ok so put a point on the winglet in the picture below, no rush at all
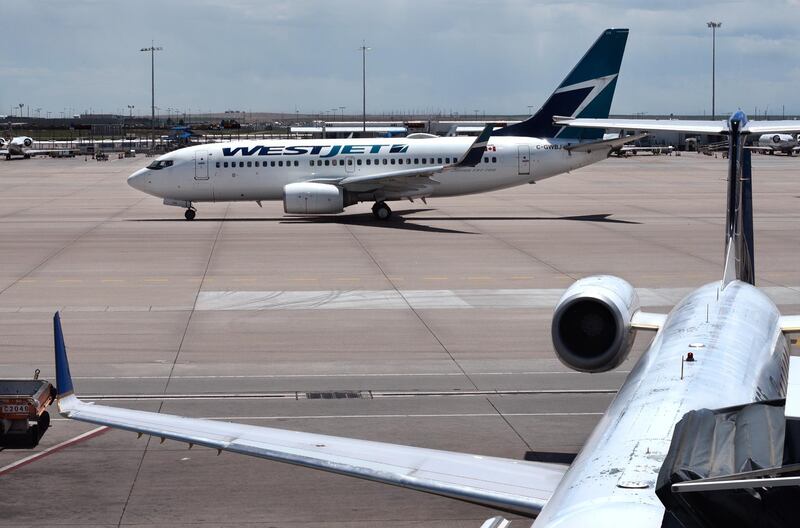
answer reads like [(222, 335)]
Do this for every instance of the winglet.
[(475, 152), (63, 377)]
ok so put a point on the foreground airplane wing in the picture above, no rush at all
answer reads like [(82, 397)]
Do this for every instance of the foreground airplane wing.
[(510, 485)]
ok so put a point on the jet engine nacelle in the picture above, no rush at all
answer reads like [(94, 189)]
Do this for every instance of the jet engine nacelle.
[(312, 198), (591, 326), (2, 142), (27, 142)]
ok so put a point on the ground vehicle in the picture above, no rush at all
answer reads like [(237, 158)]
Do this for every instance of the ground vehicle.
[(23, 411)]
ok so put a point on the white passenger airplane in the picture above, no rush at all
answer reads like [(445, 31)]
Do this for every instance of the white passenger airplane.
[(325, 176), (16, 146), (741, 354), (772, 143)]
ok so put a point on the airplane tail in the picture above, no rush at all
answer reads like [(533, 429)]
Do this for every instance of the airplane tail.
[(586, 92), (739, 243)]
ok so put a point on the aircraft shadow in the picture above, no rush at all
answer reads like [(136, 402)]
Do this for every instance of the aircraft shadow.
[(398, 221)]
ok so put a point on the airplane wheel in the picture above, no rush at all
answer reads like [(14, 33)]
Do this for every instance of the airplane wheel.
[(381, 211), (189, 214)]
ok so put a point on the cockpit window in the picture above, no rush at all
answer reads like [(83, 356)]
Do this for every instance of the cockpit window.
[(160, 164)]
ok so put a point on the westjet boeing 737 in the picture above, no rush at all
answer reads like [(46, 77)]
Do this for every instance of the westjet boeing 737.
[(325, 176)]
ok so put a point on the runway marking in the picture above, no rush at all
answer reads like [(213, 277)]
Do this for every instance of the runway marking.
[(54, 449), (156, 280), (364, 394), (343, 375), (112, 280), (507, 298), (68, 281), (395, 416)]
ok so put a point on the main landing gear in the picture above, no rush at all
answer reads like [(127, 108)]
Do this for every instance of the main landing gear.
[(190, 214), (381, 211)]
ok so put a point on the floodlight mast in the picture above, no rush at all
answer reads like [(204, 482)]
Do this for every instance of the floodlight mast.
[(713, 26), (152, 49)]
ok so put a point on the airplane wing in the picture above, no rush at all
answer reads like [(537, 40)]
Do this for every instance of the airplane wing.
[(648, 320), (411, 182), (515, 486), (790, 324)]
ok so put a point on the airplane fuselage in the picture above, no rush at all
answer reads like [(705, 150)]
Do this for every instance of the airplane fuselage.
[(740, 355), (259, 170)]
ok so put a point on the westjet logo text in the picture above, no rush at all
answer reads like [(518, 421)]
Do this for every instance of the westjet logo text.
[(326, 151)]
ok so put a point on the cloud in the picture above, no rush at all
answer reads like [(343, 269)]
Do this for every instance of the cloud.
[(495, 56)]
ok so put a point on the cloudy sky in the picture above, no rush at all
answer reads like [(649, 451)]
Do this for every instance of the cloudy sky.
[(428, 55)]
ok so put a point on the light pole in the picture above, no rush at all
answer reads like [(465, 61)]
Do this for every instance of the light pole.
[(364, 49), (530, 109), (21, 106), (713, 26), (130, 110), (342, 111), (152, 49)]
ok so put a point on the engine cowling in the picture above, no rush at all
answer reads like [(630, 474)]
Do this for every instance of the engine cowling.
[(2, 142), (591, 326), (312, 198), (27, 142)]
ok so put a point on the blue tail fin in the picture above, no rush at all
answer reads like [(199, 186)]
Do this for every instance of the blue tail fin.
[(739, 243), (63, 377), (586, 92)]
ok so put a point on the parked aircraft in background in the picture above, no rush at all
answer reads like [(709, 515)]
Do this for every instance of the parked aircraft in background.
[(16, 146), (772, 143), (325, 176)]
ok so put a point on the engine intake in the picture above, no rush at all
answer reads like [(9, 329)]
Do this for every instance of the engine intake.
[(27, 142), (312, 198), (591, 326)]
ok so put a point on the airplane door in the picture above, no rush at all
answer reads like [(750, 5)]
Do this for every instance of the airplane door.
[(350, 165), (201, 165), (524, 159)]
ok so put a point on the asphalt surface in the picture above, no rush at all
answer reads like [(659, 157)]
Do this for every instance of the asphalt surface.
[(438, 319)]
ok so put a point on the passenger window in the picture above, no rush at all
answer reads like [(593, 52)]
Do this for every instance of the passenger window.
[(349, 162), (327, 163), (249, 163), (280, 164), (440, 161), (358, 162), (385, 161), (400, 161), (432, 162), (494, 159), (447, 160), (392, 161), (217, 164), (225, 164), (257, 163), (423, 161), (271, 163), (416, 161), (296, 163), (369, 161), (241, 164)]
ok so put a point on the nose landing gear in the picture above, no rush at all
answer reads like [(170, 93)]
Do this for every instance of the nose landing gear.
[(189, 214), (381, 211)]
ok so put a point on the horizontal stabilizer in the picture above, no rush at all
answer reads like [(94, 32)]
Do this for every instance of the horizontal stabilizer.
[(681, 125), (606, 143)]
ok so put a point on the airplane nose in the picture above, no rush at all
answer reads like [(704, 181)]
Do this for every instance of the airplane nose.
[(137, 180)]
